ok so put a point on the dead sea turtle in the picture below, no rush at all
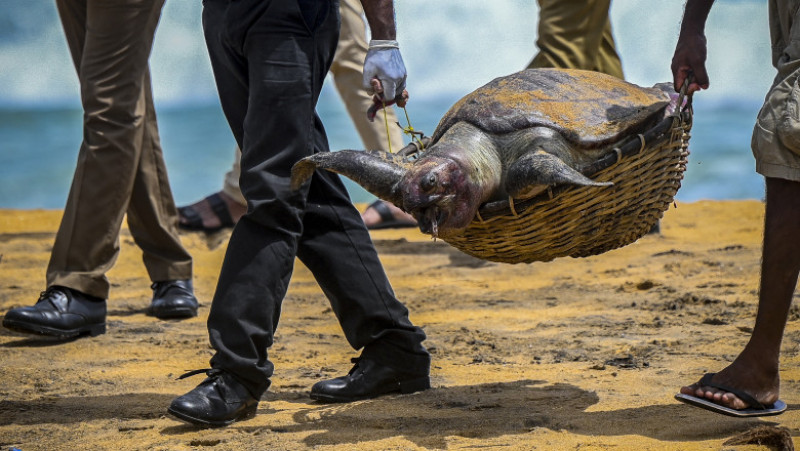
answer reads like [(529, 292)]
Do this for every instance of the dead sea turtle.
[(513, 137)]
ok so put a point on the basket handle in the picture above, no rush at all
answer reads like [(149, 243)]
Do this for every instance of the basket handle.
[(683, 95)]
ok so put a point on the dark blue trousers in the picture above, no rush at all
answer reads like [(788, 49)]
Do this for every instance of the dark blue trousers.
[(270, 58)]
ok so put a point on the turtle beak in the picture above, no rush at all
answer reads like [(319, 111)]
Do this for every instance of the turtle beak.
[(429, 219), (437, 193)]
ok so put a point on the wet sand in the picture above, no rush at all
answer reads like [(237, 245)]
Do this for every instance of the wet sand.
[(570, 354)]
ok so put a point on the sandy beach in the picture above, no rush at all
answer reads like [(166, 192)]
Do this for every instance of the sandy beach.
[(570, 354)]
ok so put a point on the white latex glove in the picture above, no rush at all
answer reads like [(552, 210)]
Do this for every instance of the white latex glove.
[(384, 62)]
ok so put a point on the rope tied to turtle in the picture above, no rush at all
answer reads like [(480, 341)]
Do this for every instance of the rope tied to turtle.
[(408, 130)]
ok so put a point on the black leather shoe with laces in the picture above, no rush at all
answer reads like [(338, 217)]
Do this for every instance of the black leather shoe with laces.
[(173, 299), (217, 401), (60, 312), (369, 379)]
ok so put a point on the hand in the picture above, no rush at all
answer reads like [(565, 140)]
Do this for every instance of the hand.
[(690, 58), (378, 101), (384, 62)]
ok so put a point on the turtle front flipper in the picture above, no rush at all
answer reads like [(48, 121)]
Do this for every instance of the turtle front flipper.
[(542, 168), (377, 171)]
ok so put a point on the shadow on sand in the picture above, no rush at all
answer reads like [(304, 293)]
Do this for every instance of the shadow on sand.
[(425, 419)]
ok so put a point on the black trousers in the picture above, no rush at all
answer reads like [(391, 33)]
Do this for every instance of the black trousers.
[(270, 58)]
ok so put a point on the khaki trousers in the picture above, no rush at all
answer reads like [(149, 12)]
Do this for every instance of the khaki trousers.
[(576, 34), (120, 165), (348, 63), (776, 135)]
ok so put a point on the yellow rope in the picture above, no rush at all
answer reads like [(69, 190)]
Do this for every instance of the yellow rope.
[(386, 121), (409, 130)]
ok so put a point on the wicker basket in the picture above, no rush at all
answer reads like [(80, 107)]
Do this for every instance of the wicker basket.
[(577, 221)]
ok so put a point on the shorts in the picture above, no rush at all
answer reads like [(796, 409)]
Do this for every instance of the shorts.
[(776, 135)]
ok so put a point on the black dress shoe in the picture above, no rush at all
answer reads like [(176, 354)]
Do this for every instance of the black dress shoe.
[(369, 379), (173, 299), (217, 401), (60, 312)]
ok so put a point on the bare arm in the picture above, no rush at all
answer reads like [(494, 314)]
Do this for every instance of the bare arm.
[(380, 15), (384, 71), (690, 52)]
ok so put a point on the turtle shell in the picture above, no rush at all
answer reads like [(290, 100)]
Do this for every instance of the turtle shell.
[(589, 109)]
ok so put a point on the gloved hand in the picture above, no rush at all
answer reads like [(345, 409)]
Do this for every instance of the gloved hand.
[(384, 75), (383, 61), (378, 103)]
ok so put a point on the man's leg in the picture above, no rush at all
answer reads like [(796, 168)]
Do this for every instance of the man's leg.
[(152, 215), (336, 247), (776, 148), (111, 67), (571, 34), (290, 67), (270, 43), (608, 60), (153, 221), (120, 168), (275, 50), (230, 185), (756, 370)]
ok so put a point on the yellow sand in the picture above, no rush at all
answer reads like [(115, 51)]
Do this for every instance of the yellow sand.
[(571, 354)]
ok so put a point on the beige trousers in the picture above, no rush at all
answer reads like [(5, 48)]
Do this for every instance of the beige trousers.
[(348, 63), (576, 34), (120, 164)]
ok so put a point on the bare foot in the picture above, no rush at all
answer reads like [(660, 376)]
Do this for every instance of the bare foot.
[(214, 212), (383, 215)]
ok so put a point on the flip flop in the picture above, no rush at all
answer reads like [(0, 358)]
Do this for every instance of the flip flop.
[(195, 222), (756, 409), (388, 221)]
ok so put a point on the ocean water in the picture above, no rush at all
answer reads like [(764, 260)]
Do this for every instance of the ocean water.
[(450, 48)]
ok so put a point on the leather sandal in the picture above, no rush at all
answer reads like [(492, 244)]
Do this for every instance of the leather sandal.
[(193, 221)]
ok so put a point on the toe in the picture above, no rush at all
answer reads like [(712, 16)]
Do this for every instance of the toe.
[(732, 401), (716, 396), (690, 390)]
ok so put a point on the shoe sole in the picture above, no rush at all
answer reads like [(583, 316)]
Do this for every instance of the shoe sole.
[(404, 387), (248, 413), (19, 326), (174, 314)]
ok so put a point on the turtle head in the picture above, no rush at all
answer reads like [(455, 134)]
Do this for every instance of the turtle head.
[(440, 194)]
